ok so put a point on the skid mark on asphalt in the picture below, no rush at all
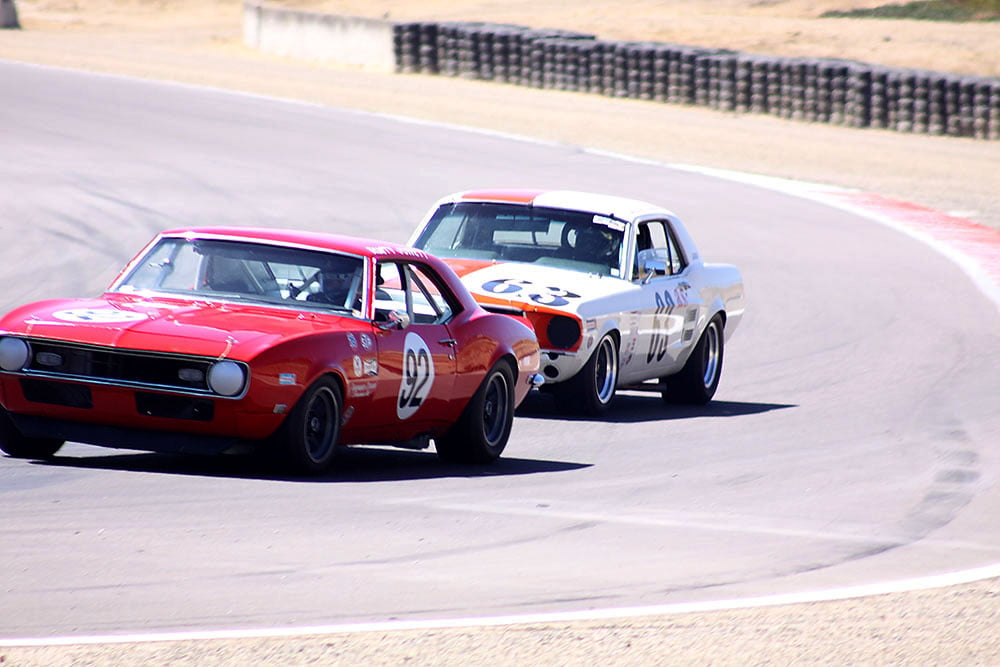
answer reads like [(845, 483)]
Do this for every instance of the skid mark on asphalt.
[(719, 523)]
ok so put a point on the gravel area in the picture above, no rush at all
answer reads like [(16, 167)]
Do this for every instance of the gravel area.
[(198, 42), (954, 626)]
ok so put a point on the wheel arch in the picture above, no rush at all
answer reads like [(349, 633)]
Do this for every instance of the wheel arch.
[(609, 328), (716, 307)]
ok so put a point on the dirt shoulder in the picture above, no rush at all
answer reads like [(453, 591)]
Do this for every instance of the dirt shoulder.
[(201, 43), (775, 27)]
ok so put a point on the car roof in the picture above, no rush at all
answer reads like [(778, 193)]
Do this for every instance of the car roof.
[(588, 202), (367, 248), (363, 247)]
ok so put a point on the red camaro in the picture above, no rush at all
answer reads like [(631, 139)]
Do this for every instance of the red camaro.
[(212, 338)]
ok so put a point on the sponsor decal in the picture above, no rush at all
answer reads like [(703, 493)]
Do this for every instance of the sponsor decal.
[(352, 341), (358, 368), (389, 250), (371, 366), (547, 296), (366, 342), (610, 223), (418, 376), (632, 337), (98, 315), (361, 389), (286, 378), (628, 351), (681, 297)]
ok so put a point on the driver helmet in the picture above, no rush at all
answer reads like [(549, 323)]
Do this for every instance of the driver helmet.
[(334, 285), (594, 242)]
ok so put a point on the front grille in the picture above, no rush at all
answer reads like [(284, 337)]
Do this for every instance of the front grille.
[(563, 332), (57, 393), (119, 367), (174, 407)]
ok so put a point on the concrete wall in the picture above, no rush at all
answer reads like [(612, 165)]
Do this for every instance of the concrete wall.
[(345, 40), (8, 14)]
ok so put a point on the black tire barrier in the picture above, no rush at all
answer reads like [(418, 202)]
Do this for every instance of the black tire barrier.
[(818, 90)]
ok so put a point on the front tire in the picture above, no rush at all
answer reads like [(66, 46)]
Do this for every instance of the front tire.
[(481, 433), (13, 443), (308, 438), (591, 391), (696, 383)]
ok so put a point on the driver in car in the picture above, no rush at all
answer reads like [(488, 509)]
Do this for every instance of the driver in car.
[(333, 286)]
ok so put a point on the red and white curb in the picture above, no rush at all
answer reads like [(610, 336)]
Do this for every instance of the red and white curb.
[(974, 248)]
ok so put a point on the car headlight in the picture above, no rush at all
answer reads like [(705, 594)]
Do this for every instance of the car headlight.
[(14, 354), (226, 378)]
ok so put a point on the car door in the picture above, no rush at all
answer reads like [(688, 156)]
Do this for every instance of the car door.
[(415, 348), (669, 311)]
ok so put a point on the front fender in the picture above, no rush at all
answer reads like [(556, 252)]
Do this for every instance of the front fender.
[(281, 374), (600, 328)]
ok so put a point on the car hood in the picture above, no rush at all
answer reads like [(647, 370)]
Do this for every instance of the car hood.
[(209, 328), (534, 287)]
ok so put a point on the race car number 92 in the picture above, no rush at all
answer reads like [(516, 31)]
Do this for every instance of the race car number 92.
[(418, 376)]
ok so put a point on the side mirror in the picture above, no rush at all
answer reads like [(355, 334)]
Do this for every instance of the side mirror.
[(393, 319), (652, 262)]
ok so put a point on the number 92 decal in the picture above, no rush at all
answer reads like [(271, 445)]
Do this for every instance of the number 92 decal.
[(418, 376)]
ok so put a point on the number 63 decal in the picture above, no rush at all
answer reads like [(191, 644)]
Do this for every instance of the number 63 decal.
[(418, 376), (549, 296)]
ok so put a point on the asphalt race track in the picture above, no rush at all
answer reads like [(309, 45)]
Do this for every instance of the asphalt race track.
[(852, 442)]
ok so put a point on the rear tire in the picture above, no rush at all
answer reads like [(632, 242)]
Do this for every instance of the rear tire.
[(696, 383), (13, 443), (592, 390), (308, 438), (481, 433)]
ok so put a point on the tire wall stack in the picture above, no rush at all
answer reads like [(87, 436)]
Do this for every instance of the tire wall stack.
[(841, 92), (819, 90)]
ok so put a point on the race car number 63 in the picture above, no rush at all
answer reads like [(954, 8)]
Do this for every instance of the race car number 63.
[(418, 376), (548, 296)]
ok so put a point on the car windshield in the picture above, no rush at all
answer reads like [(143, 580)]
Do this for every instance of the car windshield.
[(225, 269), (517, 233)]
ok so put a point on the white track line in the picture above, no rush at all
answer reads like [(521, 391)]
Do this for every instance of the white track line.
[(850, 592)]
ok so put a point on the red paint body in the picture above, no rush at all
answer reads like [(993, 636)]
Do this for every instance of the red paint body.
[(285, 350)]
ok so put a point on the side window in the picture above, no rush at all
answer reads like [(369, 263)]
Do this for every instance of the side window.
[(429, 304), (657, 235), (677, 262), (390, 294), (411, 288)]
